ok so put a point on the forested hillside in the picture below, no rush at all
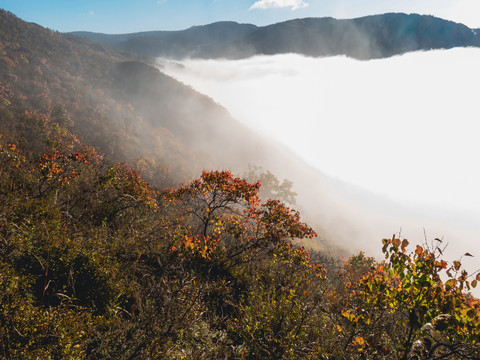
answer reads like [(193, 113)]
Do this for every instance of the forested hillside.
[(79, 85), (105, 255)]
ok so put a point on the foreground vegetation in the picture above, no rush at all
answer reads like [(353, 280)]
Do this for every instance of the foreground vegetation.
[(97, 264)]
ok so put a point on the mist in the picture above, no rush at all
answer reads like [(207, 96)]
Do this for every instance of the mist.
[(399, 133)]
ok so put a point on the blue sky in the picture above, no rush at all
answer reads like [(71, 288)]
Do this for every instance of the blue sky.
[(123, 16)]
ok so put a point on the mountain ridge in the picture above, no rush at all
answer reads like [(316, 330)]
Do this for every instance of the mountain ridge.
[(149, 42), (368, 37)]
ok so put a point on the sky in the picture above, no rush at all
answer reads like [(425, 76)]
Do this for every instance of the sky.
[(126, 16)]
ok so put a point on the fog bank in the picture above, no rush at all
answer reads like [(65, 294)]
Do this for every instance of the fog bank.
[(403, 128)]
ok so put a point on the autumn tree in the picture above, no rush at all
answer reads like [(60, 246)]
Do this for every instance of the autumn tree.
[(231, 236), (414, 306)]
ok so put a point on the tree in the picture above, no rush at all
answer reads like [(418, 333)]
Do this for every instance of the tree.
[(229, 235), (271, 187), (415, 306)]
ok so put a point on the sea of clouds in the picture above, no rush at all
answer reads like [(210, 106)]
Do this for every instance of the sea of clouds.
[(406, 128)]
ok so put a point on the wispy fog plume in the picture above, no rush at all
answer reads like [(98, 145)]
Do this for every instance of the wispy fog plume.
[(267, 4), (405, 128)]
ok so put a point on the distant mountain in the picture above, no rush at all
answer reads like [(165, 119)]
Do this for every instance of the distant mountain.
[(196, 41), (367, 37)]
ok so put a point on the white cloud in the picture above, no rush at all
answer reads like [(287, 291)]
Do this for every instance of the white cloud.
[(267, 4), (404, 127), (91, 13), (412, 116)]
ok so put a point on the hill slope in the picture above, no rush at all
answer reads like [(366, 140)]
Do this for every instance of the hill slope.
[(362, 38), (114, 101), (127, 109)]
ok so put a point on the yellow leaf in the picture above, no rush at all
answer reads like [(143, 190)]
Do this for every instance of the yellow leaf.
[(359, 340)]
